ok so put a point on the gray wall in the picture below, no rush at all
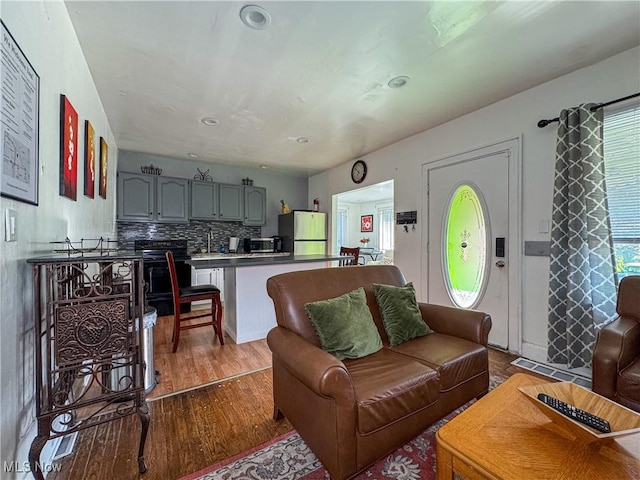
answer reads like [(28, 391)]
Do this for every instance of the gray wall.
[(290, 188), (44, 32)]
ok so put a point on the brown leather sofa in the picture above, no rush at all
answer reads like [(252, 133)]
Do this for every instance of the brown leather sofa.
[(353, 412), (616, 356)]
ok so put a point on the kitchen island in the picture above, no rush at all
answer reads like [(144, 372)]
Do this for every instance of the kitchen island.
[(248, 309)]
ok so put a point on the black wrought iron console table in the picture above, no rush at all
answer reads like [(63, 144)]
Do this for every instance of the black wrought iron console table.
[(89, 366)]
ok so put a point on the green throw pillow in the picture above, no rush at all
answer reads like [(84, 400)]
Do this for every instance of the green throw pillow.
[(400, 313), (345, 326)]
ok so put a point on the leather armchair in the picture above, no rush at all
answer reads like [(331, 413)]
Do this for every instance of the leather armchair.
[(616, 357)]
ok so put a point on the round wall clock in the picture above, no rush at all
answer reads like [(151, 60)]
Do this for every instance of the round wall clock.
[(358, 171)]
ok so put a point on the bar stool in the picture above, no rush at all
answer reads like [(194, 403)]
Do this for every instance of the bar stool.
[(193, 294)]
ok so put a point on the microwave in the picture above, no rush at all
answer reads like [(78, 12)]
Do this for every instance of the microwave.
[(259, 245)]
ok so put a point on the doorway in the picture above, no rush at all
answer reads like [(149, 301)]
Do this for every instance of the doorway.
[(473, 236), (364, 218)]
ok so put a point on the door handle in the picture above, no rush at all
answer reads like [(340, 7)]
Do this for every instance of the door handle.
[(500, 264)]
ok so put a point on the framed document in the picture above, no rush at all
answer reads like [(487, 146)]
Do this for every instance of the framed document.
[(19, 123)]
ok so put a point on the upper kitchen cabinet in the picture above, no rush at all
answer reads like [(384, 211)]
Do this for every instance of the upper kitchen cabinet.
[(149, 198), (204, 200), (230, 207), (255, 206)]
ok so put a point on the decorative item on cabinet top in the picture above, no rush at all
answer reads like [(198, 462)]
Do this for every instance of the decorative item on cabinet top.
[(203, 176), (247, 181), (151, 170)]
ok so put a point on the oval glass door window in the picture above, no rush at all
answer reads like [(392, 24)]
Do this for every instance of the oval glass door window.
[(465, 247)]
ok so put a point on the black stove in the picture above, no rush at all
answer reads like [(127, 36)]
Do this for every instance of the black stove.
[(156, 272)]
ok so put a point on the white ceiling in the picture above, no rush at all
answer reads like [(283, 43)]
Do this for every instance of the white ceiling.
[(320, 70)]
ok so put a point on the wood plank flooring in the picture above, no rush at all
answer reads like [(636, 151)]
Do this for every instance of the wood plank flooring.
[(192, 430), (199, 359)]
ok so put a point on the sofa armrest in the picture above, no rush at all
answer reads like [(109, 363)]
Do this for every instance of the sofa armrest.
[(617, 345), (471, 325), (320, 371)]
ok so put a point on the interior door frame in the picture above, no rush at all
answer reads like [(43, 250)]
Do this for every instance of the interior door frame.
[(513, 147)]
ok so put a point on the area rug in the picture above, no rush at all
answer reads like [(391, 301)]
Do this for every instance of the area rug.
[(288, 458)]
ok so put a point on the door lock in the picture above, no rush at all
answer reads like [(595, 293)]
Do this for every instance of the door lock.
[(500, 264)]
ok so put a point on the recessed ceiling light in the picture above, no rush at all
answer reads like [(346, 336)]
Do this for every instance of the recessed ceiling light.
[(193, 155), (210, 121), (398, 82), (302, 140), (255, 17), (263, 166)]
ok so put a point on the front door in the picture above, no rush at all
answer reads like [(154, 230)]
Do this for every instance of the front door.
[(469, 239)]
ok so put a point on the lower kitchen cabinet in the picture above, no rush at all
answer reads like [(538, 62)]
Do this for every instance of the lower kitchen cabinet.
[(208, 276)]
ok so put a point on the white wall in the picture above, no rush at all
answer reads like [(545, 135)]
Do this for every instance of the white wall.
[(514, 117), (44, 32), (290, 188)]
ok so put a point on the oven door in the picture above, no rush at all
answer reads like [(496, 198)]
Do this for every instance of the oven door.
[(158, 281)]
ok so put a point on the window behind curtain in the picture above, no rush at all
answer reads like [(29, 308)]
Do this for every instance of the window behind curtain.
[(621, 134), (385, 231), (341, 228)]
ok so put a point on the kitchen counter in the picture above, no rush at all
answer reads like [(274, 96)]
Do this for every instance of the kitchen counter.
[(229, 260), (248, 309)]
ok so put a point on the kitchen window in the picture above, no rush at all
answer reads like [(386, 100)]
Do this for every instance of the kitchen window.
[(621, 135), (341, 228)]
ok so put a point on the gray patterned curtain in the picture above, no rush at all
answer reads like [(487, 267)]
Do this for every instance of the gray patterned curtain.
[(582, 292)]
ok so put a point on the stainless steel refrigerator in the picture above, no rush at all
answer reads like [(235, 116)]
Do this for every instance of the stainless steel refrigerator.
[(303, 232)]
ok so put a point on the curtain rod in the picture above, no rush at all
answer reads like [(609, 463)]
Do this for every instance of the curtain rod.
[(544, 123)]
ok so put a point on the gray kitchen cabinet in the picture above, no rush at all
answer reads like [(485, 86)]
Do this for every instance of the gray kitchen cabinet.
[(255, 206), (231, 200), (136, 195), (172, 200), (150, 198), (204, 200)]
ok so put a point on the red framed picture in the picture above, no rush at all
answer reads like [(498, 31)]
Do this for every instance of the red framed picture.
[(104, 165), (68, 149), (89, 160), (366, 223)]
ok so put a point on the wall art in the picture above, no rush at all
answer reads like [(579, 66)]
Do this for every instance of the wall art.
[(366, 223), (89, 160), (19, 123), (104, 165), (68, 149)]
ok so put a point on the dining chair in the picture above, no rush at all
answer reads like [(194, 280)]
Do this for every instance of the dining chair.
[(182, 295), (354, 252)]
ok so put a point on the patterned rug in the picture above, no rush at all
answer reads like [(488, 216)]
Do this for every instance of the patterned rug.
[(288, 458)]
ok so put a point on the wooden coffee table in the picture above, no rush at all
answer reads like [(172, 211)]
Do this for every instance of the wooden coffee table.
[(504, 436)]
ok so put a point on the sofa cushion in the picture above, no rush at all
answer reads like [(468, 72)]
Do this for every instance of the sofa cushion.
[(455, 359), (389, 387), (629, 382), (400, 313), (345, 326)]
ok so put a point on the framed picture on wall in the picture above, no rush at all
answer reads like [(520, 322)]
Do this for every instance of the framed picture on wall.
[(89, 160), (68, 149), (104, 165), (366, 223), (19, 123)]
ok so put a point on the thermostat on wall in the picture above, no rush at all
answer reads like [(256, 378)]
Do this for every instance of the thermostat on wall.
[(407, 218)]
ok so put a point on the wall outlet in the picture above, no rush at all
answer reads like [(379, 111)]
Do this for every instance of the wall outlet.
[(10, 225)]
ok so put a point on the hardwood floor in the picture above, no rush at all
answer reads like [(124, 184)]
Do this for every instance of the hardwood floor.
[(192, 430), (200, 359)]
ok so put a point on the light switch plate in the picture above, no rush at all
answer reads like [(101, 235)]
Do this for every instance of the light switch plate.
[(10, 225)]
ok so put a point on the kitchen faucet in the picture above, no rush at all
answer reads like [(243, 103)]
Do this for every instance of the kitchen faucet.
[(209, 238)]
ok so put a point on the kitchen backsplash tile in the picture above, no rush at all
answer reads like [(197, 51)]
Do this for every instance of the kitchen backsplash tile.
[(194, 232)]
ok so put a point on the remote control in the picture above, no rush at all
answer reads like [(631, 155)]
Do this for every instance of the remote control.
[(586, 418)]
